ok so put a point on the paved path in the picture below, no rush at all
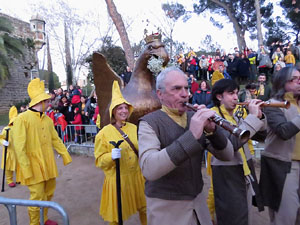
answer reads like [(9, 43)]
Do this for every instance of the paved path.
[(78, 191)]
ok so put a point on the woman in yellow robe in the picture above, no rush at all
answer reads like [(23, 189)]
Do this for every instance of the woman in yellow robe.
[(11, 162), (132, 180)]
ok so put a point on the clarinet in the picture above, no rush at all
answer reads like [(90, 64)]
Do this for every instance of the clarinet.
[(244, 135)]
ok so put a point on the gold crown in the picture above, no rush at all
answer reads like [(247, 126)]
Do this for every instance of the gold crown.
[(153, 37)]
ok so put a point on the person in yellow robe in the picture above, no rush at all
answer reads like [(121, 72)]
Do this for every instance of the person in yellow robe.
[(132, 180), (11, 163), (34, 138)]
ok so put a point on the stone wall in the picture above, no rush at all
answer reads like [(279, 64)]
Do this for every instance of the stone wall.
[(15, 88)]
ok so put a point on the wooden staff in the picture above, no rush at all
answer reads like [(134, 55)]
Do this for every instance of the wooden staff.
[(242, 134), (5, 156), (284, 104), (118, 183)]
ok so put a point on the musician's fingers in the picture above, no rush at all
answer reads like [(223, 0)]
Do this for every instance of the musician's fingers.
[(200, 107), (205, 113), (261, 103), (255, 101)]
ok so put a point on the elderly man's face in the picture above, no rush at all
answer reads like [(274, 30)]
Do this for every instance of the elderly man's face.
[(294, 84), (175, 92)]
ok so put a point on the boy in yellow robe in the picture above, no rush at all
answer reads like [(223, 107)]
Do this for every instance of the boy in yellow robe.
[(34, 138), (10, 166)]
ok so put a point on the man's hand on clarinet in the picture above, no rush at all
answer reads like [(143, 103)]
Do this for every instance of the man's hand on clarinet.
[(254, 107), (200, 121)]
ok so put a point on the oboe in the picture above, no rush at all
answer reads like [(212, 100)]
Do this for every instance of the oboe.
[(285, 104), (242, 134)]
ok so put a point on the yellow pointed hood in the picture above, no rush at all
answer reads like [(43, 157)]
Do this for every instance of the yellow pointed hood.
[(12, 115), (36, 92), (118, 99)]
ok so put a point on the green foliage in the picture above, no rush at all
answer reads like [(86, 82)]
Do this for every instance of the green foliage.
[(178, 47), (5, 25), (44, 75), (30, 43), (4, 119), (87, 90), (291, 13), (9, 47), (20, 103), (114, 55), (50, 82), (174, 10), (209, 45), (275, 31), (242, 11)]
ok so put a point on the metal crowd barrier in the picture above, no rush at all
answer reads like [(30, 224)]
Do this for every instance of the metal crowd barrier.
[(11, 204), (84, 137)]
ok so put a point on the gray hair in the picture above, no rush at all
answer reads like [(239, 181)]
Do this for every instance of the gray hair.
[(279, 80), (160, 79)]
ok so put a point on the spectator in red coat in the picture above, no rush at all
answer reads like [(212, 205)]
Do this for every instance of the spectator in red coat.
[(78, 129), (75, 97), (194, 84), (96, 114), (50, 113)]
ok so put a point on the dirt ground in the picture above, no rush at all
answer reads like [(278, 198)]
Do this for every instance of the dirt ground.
[(79, 191)]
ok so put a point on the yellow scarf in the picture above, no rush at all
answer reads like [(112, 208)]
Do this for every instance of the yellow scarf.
[(241, 151), (261, 90), (181, 120), (296, 152)]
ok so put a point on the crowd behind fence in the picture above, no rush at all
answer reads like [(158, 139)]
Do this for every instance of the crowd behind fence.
[(83, 136)]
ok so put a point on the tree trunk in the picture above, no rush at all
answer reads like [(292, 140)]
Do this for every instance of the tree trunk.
[(240, 33), (69, 71), (50, 68), (258, 22), (118, 21)]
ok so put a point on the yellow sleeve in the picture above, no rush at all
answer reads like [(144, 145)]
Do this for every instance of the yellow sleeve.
[(19, 140), (98, 121), (59, 146), (102, 152), (293, 60)]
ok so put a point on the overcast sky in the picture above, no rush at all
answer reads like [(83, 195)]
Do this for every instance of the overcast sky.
[(191, 32)]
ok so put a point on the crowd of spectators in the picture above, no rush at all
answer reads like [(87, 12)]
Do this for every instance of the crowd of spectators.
[(71, 107), (246, 67)]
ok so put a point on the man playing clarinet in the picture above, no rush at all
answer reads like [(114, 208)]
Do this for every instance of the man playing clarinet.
[(234, 182), (172, 141)]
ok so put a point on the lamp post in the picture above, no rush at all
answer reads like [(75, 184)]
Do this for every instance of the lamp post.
[(34, 73)]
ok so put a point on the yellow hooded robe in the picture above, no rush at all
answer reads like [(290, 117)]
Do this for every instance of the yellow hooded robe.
[(132, 180), (36, 158), (11, 162)]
